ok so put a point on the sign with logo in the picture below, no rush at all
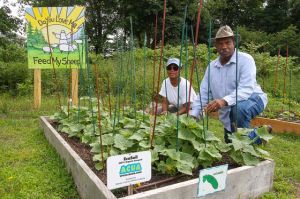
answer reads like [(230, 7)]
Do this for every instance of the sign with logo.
[(55, 37), (128, 169), (212, 180)]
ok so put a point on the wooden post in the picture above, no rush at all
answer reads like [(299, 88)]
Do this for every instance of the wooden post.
[(75, 86), (37, 88)]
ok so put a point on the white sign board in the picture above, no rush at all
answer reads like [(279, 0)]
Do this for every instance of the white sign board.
[(212, 180), (128, 169)]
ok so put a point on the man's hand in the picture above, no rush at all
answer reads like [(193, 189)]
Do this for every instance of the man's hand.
[(215, 105)]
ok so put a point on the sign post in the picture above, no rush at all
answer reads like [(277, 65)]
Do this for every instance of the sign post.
[(55, 40), (212, 180), (37, 88), (128, 169)]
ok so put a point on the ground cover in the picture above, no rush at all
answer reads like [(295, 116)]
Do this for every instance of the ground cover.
[(31, 166)]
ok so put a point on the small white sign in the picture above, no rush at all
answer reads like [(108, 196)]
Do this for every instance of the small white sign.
[(212, 180), (128, 169)]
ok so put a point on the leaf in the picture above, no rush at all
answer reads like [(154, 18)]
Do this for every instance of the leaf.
[(184, 168), (250, 159), (236, 156), (264, 134), (144, 144), (237, 144), (107, 139), (95, 147), (198, 146), (221, 146), (136, 136), (154, 155), (209, 136), (250, 149), (185, 134), (99, 166), (212, 151), (263, 152), (122, 143)]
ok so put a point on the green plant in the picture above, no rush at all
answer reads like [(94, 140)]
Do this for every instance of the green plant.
[(194, 148)]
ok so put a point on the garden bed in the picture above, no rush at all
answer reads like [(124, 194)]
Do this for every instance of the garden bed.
[(278, 126), (244, 182)]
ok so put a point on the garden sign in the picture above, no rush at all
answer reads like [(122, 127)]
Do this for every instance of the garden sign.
[(55, 37)]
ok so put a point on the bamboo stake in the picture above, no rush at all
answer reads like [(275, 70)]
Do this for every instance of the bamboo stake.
[(109, 100), (276, 72), (285, 71), (194, 59), (159, 70), (99, 113), (154, 62)]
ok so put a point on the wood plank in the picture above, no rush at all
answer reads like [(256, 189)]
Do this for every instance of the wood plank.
[(37, 88), (75, 86), (278, 126)]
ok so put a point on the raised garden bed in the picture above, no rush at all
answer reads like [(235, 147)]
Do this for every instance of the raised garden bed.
[(278, 126), (242, 182)]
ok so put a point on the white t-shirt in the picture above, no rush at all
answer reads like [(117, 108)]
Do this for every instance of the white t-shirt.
[(172, 92)]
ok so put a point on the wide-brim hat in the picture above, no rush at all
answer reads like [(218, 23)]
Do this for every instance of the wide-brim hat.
[(224, 32), (173, 61)]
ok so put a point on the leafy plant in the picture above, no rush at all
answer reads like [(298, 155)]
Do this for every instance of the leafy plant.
[(195, 147)]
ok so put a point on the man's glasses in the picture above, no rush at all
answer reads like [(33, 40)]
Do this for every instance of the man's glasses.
[(174, 67)]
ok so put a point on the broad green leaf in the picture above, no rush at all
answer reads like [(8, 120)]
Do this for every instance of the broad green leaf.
[(212, 151), (144, 144), (263, 152), (209, 136), (99, 166), (198, 146), (185, 134), (237, 144), (236, 156), (264, 134), (221, 146), (95, 147), (186, 158), (107, 139), (136, 136), (125, 132), (113, 151), (154, 155), (250, 159), (250, 149), (184, 168), (121, 142)]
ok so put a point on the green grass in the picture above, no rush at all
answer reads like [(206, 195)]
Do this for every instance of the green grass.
[(31, 168)]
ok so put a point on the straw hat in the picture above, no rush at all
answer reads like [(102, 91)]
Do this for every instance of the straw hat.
[(225, 31)]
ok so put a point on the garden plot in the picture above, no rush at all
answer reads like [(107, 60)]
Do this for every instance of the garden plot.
[(90, 186)]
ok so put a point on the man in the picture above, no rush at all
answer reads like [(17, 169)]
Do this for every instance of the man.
[(169, 90), (251, 99)]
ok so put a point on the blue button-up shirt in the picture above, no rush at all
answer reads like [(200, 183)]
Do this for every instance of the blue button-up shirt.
[(223, 85)]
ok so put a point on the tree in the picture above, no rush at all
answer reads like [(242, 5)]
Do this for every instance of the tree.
[(275, 16)]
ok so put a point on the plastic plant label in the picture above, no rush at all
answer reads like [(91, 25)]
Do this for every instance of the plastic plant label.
[(128, 169), (212, 180)]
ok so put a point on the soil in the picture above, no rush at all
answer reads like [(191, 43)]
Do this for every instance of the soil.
[(157, 180)]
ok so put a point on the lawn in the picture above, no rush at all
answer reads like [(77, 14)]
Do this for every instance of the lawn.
[(31, 168)]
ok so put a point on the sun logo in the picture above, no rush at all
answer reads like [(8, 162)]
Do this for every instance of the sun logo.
[(54, 30)]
